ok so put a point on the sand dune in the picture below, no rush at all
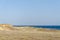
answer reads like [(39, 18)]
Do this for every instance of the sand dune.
[(8, 32)]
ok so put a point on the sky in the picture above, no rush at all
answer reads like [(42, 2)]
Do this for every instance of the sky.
[(30, 12)]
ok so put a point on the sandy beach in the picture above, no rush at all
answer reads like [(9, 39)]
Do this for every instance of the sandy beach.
[(29, 33)]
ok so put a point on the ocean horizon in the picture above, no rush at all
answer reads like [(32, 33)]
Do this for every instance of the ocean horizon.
[(41, 26)]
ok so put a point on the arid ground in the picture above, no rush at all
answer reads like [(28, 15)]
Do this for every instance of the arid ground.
[(28, 33)]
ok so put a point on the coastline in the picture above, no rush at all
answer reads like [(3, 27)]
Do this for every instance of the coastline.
[(29, 33)]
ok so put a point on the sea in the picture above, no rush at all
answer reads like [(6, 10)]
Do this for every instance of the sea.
[(49, 27), (41, 26)]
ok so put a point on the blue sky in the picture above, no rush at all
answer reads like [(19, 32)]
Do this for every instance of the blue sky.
[(30, 12)]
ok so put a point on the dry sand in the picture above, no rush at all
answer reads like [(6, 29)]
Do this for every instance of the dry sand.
[(29, 33)]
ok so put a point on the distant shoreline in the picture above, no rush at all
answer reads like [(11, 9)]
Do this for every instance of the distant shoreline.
[(57, 27)]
